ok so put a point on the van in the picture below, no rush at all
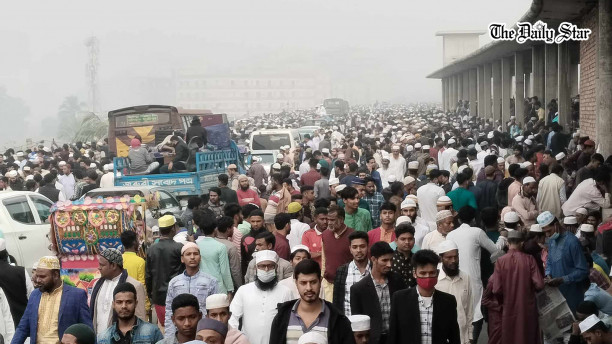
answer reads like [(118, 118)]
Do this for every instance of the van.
[(272, 139), (25, 225)]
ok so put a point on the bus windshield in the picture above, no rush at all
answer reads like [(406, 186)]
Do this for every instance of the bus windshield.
[(270, 141)]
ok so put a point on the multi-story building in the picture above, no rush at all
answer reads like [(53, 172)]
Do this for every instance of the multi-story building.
[(241, 95)]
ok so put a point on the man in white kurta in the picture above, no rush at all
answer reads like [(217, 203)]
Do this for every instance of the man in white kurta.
[(428, 195), (397, 163), (258, 307), (470, 240)]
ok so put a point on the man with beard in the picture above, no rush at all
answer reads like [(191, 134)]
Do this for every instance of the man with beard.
[(247, 245), (453, 281), (46, 303), (309, 314), (255, 303), (384, 171), (421, 228), (185, 316), (350, 273), (444, 222), (267, 241), (372, 295), (517, 279), (128, 328), (524, 203), (312, 237), (245, 194)]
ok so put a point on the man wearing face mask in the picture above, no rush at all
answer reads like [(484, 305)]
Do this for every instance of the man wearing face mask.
[(566, 266), (456, 282), (256, 302), (423, 314), (517, 278)]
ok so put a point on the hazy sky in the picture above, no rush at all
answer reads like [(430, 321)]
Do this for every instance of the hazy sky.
[(389, 46)]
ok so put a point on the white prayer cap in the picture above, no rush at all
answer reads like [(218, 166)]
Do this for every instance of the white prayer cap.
[(27, 168), (266, 255), (528, 180), (511, 217), (587, 228), (545, 218), (12, 174), (2, 244), (300, 247), (19, 154), (312, 337), (402, 219), (391, 178), (334, 181), (570, 220), (280, 156), (325, 150), (444, 200), (217, 301), (426, 147), (451, 141), (47, 149), (70, 155), (500, 160), (414, 198), (30, 177), (432, 167), (535, 228), (443, 214), (560, 156), (526, 164), (61, 163), (582, 211), (360, 322), (340, 187), (445, 246), (518, 139), (409, 148), (413, 165), (588, 323), (93, 165), (108, 167), (417, 145), (276, 166), (408, 203), (395, 147), (408, 179), (528, 142), (490, 135)]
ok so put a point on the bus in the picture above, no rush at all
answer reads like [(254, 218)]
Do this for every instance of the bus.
[(153, 123), (336, 106)]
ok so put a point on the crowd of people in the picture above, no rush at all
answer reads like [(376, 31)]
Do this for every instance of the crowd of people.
[(392, 224)]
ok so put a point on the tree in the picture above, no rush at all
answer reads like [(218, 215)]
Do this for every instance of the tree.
[(78, 124), (13, 112)]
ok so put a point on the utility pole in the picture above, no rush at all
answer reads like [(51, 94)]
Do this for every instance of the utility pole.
[(91, 71)]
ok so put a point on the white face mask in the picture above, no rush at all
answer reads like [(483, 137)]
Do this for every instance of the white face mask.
[(266, 276)]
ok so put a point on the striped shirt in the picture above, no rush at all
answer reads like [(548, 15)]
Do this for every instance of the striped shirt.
[(297, 328)]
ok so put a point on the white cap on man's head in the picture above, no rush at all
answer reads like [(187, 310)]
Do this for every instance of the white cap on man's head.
[(536, 228), (500, 160), (266, 255), (408, 203), (570, 220), (359, 322), (413, 165), (276, 166), (582, 211), (511, 217), (403, 219), (528, 180), (588, 323), (560, 156), (279, 156), (587, 228), (215, 301), (61, 163), (300, 247), (445, 246)]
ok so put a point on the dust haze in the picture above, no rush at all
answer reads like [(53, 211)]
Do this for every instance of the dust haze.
[(368, 50)]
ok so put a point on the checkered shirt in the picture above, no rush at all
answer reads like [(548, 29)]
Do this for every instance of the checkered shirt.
[(374, 202), (353, 276), (426, 312), (384, 297)]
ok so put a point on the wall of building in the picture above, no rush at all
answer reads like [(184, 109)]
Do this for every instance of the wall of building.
[(588, 75)]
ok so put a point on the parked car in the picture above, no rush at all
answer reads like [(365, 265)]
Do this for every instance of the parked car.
[(24, 224), (167, 201)]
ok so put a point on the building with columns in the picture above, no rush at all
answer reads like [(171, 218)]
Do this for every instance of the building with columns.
[(491, 76)]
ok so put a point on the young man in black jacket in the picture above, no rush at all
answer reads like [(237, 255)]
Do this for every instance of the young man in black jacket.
[(372, 295), (309, 313)]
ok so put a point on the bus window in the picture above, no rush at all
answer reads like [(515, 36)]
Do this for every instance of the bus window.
[(270, 141)]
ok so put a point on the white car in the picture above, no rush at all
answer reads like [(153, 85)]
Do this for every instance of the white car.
[(25, 226)]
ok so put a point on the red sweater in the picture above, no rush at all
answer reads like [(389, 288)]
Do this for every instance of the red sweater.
[(337, 252)]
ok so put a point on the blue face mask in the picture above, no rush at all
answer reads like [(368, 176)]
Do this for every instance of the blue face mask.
[(554, 236)]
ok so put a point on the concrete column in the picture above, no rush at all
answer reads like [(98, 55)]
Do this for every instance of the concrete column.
[(550, 73), (563, 85), (497, 89), (519, 82), (460, 86), (604, 80), (506, 92), (537, 68), (488, 71), (473, 88), (465, 77), (481, 90), (449, 92), (528, 88), (457, 91), (453, 93), (443, 82)]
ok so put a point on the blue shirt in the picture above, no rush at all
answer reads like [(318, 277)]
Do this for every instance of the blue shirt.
[(600, 297), (566, 260)]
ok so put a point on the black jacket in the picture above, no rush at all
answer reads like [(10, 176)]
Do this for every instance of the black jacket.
[(163, 263), (13, 282), (340, 286), (339, 329), (364, 300), (199, 131), (182, 152), (50, 192), (405, 319)]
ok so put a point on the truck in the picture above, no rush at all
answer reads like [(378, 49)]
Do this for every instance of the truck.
[(336, 106), (153, 124)]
